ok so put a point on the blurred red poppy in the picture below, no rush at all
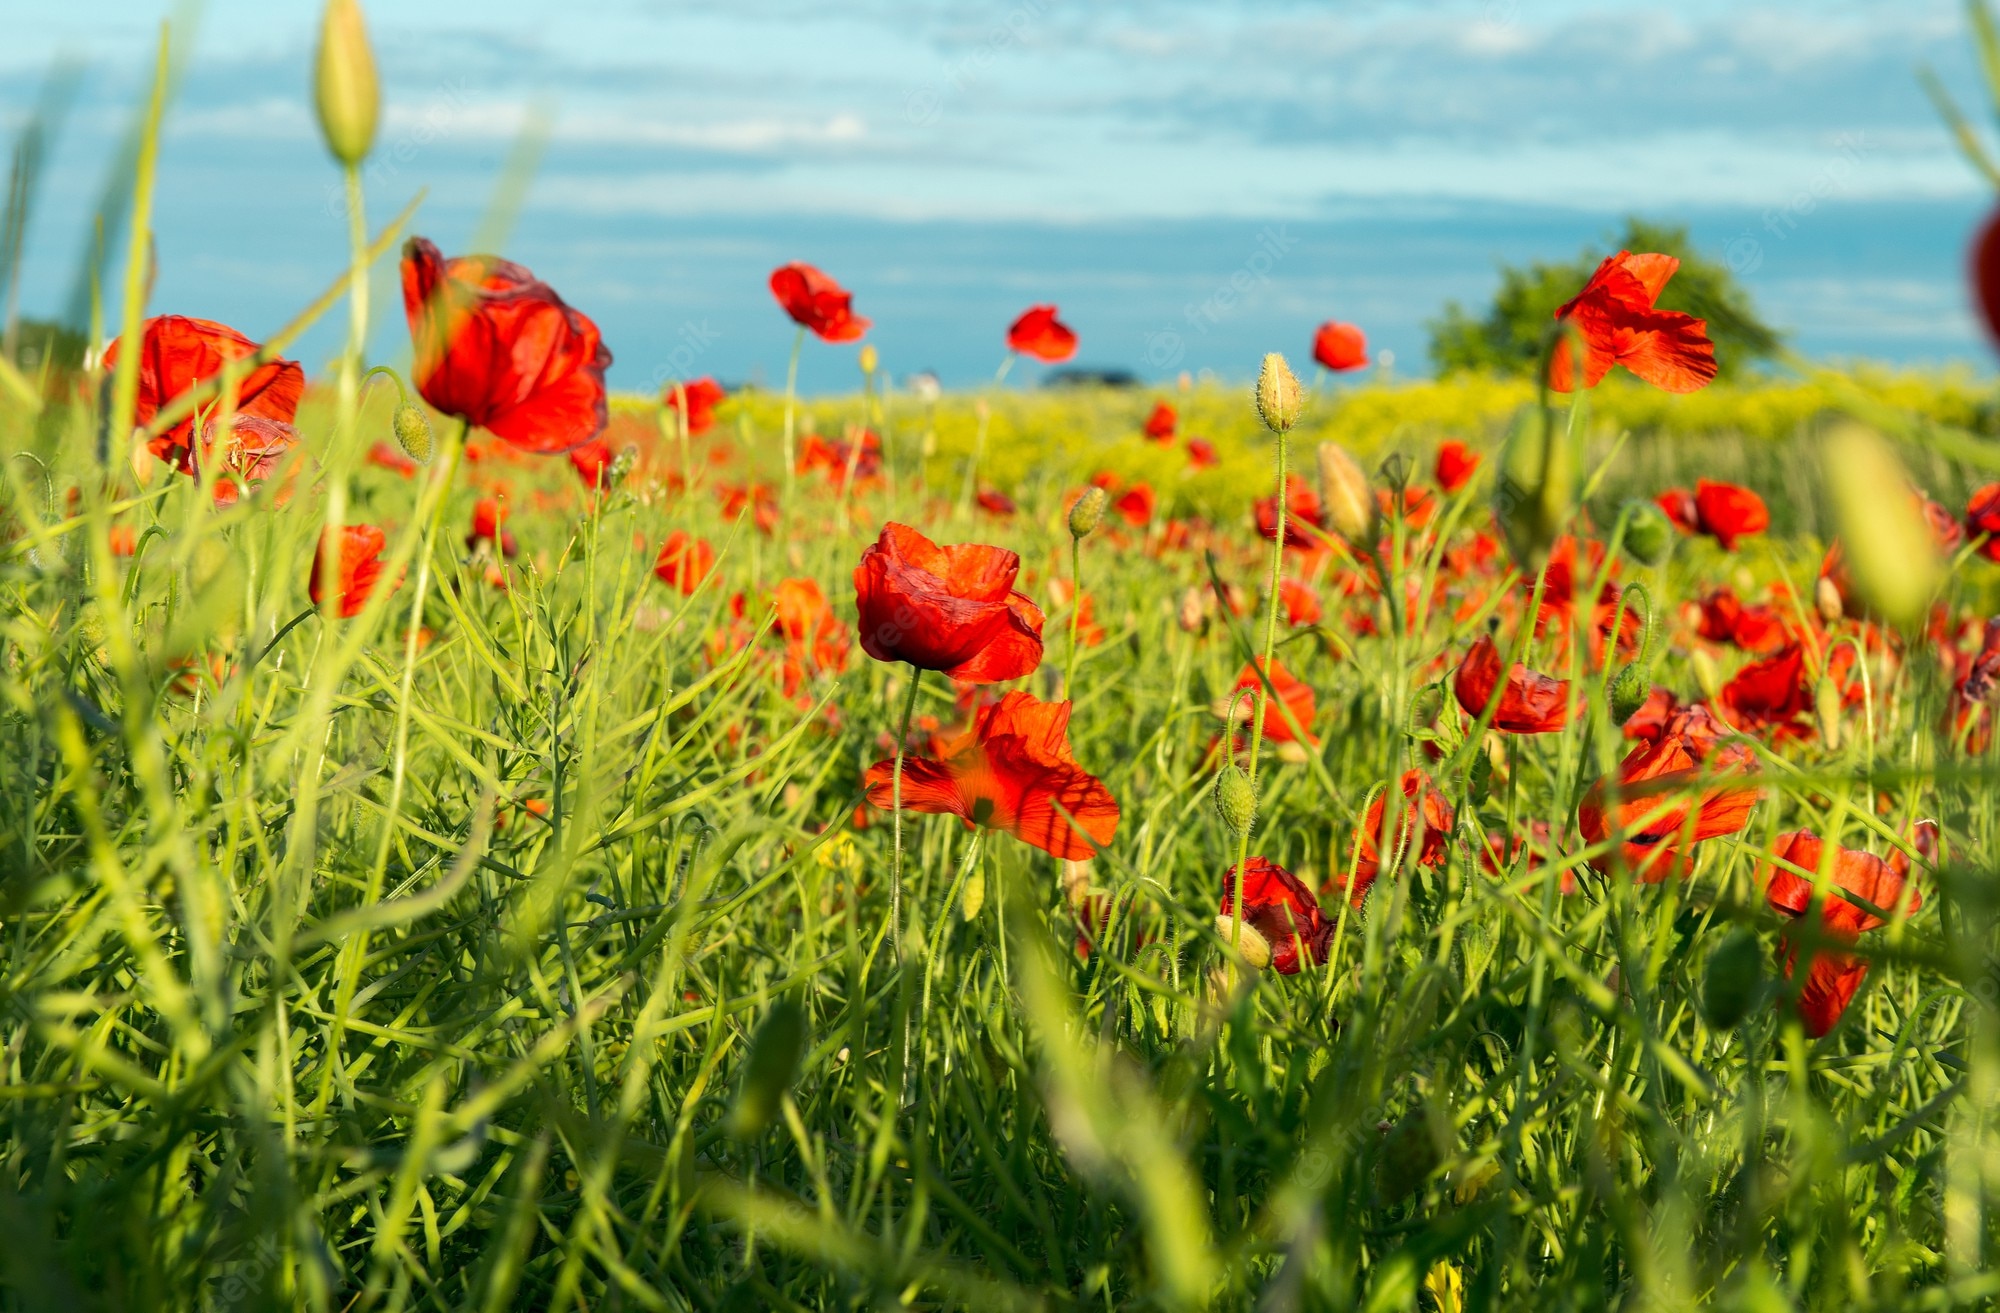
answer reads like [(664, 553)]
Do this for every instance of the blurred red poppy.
[(1654, 826), (1135, 505), (1982, 515), (1012, 771), (756, 498), (1423, 834), (1456, 464), (1302, 606), (684, 561), (1727, 512), (389, 456), (1040, 334), (1201, 454), (946, 608), (177, 353), (489, 525), (1162, 423), (356, 565), (816, 302), (703, 396), (1293, 692), (499, 349), (1305, 519), (815, 639), (1616, 318), (1833, 976), (1340, 347), (592, 463), (1533, 703), (1279, 907), (995, 502)]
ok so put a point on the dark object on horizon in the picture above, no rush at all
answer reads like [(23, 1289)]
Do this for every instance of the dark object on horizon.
[(1510, 336), (1076, 377)]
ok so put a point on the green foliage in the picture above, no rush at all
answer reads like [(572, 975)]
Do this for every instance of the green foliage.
[(1513, 332)]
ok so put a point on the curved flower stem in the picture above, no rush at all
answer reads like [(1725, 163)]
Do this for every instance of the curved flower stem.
[(1271, 611), (896, 818), (1075, 610), (791, 409)]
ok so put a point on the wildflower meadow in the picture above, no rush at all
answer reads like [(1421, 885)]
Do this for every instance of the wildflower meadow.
[(477, 840)]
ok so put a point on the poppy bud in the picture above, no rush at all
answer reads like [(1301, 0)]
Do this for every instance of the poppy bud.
[(869, 358), (1886, 541), (1532, 494), (1649, 535), (1076, 881), (346, 92), (1235, 799), (1256, 949), (1279, 396), (622, 466), (1630, 688), (1826, 711), (1088, 513), (767, 1073), (974, 896), (413, 431), (1729, 987), (1826, 599), (1344, 493)]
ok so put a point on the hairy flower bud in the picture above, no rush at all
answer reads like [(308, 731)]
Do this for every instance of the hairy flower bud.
[(1888, 546), (1729, 986), (1649, 535), (1256, 949), (1826, 600), (1343, 490), (346, 92), (1630, 688), (869, 359), (413, 433), (1235, 799), (1279, 396), (1088, 513)]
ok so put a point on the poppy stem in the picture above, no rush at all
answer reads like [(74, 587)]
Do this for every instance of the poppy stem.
[(896, 818), (1075, 611), (1270, 615), (792, 409)]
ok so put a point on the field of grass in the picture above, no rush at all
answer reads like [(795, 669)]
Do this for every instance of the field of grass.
[(546, 960)]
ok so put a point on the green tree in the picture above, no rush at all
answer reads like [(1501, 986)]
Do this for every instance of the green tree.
[(1509, 336)]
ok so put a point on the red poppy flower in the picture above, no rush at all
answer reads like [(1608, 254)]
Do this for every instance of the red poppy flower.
[(592, 463), (500, 350), (1135, 505), (1533, 703), (489, 525), (1040, 334), (252, 453), (815, 638), (1423, 833), (389, 456), (1654, 826), (357, 567), (1278, 906), (1982, 515), (177, 353), (1775, 693), (703, 396), (1615, 316), (1834, 976), (946, 608), (1012, 771), (1201, 454), (756, 498), (684, 561), (1650, 721), (1456, 464), (123, 538), (1294, 693), (816, 302), (1679, 505), (1104, 479), (1305, 519), (1340, 347), (995, 502), (1302, 606), (1986, 274), (833, 458), (1162, 423), (1727, 512)]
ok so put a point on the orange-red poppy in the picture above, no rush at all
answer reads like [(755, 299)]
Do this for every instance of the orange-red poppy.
[(355, 559), (1456, 464), (1653, 827), (1982, 515), (1727, 512), (703, 396), (489, 525), (498, 348), (815, 639), (177, 353), (1293, 692), (1279, 907), (389, 456), (1201, 454), (817, 303), (592, 463), (1040, 334), (1305, 519), (251, 453), (1617, 320), (1301, 603), (1532, 703), (1012, 771), (1162, 423), (1340, 347), (946, 608), (1422, 837), (684, 561), (1833, 976), (1135, 505), (995, 502)]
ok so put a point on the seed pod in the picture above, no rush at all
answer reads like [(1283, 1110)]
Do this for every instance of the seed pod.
[(1279, 396), (1343, 491), (346, 91), (1630, 688), (1886, 542), (413, 433), (1729, 987), (1649, 535), (1826, 599), (1536, 484), (1088, 513), (1235, 799), (1249, 941), (775, 1051), (869, 359)]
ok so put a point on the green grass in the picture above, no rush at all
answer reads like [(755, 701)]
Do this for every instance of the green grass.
[(301, 1006)]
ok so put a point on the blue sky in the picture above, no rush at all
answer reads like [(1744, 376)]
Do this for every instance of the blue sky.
[(953, 163)]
